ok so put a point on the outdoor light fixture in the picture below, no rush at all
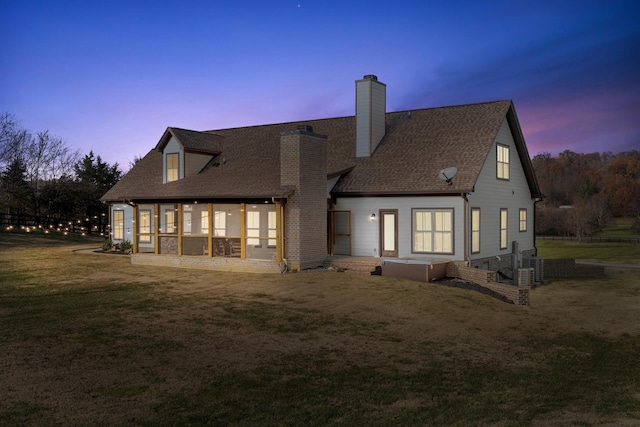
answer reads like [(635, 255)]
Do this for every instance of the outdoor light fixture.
[(373, 217)]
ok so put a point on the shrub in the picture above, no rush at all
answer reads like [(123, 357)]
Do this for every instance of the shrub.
[(107, 245), (126, 246)]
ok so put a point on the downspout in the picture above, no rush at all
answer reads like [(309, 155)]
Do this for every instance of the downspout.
[(535, 248)]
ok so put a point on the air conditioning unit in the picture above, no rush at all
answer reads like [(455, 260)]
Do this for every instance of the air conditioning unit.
[(524, 276), (537, 263)]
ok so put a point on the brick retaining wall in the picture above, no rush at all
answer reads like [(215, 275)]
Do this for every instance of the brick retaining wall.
[(519, 295)]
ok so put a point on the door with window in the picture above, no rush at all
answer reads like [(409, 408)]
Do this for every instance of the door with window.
[(389, 233)]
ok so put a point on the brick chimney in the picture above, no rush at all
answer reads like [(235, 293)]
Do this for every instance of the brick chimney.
[(371, 100), (303, 167)]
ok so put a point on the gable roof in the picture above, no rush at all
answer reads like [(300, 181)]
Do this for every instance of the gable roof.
[(417, 145), (192, 141)]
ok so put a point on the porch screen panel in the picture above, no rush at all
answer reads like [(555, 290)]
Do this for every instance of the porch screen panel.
[(341, 232), (145, 228), (260, 224), (168, 219), (226, 230), (195, 219)]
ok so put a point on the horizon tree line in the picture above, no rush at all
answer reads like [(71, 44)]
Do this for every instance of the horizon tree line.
[(40, 175)]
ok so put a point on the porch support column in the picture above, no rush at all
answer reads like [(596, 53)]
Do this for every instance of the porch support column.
[(279, 231), (156, 228), (243, 231), (210, 228), (135, 229), (179, 229)]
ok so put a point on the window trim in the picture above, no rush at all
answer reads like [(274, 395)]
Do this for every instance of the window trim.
[(522, 222), (504, 228), (118, 229), (477, 233), (433, 232), (176, 169), (503, 164)]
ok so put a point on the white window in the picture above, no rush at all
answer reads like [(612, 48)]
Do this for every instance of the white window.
[(503, 228), (271, 217), (475, 230), (523, 220), (253, 228), (433, 230), (173, 169), (503, 161), (220, 223), (118, 225), (144, 225)]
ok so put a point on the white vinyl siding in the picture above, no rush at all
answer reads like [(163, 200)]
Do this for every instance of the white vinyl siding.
[(490, 194), (364, 233)]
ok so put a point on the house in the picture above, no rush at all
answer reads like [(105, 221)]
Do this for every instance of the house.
[(370, 185)]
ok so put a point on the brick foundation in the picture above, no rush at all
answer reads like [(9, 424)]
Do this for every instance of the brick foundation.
[(205, 263)]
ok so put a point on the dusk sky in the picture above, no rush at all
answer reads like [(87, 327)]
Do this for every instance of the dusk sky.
[(110, 76)]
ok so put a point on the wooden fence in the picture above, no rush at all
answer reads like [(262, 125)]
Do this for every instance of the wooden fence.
[(591, 239)]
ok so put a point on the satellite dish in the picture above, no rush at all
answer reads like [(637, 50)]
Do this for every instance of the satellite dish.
[(448, 174)]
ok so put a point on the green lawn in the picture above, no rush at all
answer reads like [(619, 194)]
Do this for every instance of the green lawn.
[(90, 339), (620, 253), (618, 227)]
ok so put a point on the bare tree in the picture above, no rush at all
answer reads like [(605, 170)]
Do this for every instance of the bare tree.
[(580, 219), (12, 140)]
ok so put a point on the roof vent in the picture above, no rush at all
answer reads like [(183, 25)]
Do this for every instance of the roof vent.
[(304, 128)]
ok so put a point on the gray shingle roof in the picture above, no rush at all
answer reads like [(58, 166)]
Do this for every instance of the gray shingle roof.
[(417, 145)]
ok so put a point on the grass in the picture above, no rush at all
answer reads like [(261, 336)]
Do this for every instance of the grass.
[(620, 253), (619, 227), (92, 340), (607, 252)]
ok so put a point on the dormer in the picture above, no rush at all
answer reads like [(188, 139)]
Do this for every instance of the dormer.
[(186, 152)]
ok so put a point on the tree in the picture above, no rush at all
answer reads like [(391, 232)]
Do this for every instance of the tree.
[(49, 158), (16, 192), (95, 178), (12, 140)]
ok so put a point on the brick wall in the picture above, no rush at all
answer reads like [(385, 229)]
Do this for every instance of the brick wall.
[(303, 167), (519, 295), (205, 263)]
